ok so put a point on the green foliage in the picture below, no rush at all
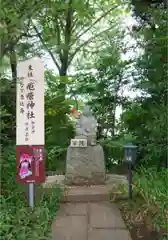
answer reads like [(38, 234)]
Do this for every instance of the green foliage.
[(63, 29), (146, 118), (102, 88), (7, 110), (148, 123), (8, 166), (92, 43), (114, 149), (16, 220), (150, 200), (58, 126), (152, 187), (15, 23)]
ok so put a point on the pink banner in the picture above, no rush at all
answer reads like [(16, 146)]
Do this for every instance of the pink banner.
[(30, 164)]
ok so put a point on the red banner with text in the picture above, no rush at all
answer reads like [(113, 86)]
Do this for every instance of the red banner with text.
[(30, 164)]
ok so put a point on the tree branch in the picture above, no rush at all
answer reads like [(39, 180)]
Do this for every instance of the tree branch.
[(94, 23), (67, 35), (30, 35), (85, 43), (45, 45), (58, 35)]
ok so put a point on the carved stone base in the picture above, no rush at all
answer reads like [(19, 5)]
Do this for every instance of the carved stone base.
[(85, 166)]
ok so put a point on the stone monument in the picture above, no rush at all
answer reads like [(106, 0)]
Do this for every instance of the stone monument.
[(85, 158)]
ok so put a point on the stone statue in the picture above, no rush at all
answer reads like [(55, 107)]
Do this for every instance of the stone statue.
[(86, 126), (85, 165)]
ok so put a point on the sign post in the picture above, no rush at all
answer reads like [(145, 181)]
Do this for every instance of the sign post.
[(31, 195), (30, 167)]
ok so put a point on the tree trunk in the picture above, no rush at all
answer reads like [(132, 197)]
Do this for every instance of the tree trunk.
[(65, 57), (13, 64), (63, 74)]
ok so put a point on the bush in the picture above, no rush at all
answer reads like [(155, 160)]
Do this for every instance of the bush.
[(56, 158), (151, 185), (17, 221), (8, 169)]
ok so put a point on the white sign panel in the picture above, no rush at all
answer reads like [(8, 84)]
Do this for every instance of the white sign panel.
[(78, 142), (30, 103)]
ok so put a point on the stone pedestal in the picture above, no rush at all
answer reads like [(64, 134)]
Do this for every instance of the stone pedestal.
[(85, 166)]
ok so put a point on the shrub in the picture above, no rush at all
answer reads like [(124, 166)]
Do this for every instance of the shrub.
[(17, 221), (151, 185)]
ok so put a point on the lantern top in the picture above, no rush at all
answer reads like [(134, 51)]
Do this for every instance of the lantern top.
[(130, 145)]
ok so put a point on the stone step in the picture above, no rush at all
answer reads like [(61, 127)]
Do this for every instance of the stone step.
[(96, 193), (111, 179)]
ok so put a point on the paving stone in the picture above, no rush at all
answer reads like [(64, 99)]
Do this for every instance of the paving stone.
[(86, 194), (52, 181), (88, 217), (108, 234), (70, 228), (78, 209), (105, 215)]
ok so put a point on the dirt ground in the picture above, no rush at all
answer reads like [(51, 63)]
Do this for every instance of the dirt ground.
[(139, 230)]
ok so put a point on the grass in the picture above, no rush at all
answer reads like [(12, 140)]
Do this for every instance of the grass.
[(17, 221), (150, 200), (152, 187)]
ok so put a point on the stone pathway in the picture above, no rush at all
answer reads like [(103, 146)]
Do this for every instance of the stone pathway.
[(89, 221), (86, 213)]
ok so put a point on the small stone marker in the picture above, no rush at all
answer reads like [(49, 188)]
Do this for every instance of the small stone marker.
[(85, 158)]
